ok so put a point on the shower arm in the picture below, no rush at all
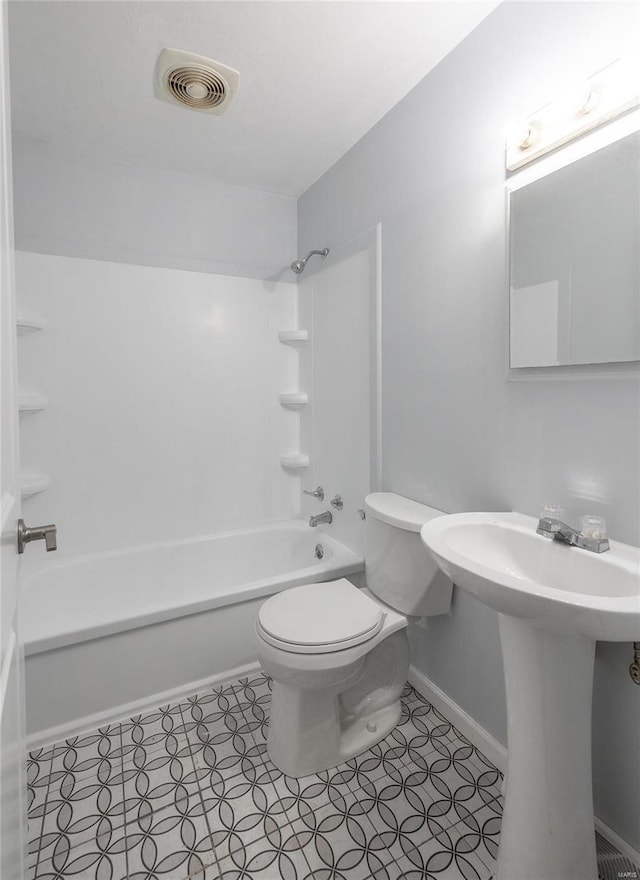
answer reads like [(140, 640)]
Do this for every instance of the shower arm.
[(298, 265), (322, 253)]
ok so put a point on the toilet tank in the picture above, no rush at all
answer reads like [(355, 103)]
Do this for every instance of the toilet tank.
[(399, 569)]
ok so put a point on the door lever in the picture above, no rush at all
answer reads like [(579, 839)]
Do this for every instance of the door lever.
[(48, 534)]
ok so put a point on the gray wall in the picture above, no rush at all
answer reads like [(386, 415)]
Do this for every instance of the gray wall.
[(77, 205), (456, 434)]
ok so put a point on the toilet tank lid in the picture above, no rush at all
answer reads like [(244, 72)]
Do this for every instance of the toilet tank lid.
[(395, 510)]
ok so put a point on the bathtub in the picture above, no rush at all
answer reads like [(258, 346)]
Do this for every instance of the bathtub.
[(109, 634)]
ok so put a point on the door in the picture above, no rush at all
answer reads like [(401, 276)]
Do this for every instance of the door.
[(12, 785)]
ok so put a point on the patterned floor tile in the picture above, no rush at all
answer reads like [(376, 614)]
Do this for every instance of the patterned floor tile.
[(240, 811), (425, 725), (161, 729), (375, 763), (277, 856), (85, 800), (38, 769), (38, 772), (101, 858), (340, 840), (172, 843), (164, 781), (314, 791), (255, 689), (451, 854), (421, 804), (218, 733), (458, 778), (188, 792), (481, 831)]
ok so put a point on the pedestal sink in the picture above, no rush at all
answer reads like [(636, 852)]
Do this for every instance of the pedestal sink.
[(554, 603)]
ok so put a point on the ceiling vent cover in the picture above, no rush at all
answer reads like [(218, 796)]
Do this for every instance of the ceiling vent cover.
[(194, 81)]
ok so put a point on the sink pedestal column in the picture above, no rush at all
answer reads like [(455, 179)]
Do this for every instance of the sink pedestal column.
[(547, 828)]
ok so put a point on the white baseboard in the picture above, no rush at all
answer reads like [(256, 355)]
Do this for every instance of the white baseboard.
[(474, 732), (491, 748), (127, 710)]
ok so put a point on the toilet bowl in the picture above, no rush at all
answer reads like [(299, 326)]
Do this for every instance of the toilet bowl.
[(339, 655)]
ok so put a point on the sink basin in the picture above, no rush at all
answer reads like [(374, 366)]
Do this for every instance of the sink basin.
[(554, 603), (500, 559)]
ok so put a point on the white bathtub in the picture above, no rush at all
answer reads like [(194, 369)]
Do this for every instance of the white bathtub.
[(107, 634)]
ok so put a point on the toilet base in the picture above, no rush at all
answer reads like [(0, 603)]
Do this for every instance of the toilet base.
[(350, 709), (307, 733)]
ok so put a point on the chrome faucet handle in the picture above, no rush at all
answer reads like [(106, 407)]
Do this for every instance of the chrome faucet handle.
[(337, 502), (317, 493), (48, 534)]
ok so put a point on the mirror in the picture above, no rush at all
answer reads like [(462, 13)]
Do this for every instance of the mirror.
[(575, 262)]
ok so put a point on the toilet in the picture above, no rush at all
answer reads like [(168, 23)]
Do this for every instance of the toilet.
[(339, 655)]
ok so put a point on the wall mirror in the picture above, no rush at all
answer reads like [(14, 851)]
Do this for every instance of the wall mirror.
[(575, 262)]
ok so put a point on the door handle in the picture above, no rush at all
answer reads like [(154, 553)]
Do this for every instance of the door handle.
[(48, 534)]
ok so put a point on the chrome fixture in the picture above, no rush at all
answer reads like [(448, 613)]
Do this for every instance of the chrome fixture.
[(317, 493), (298, 265), (559, 531), (362, 513), (326, 517), (319, 552), (634, 669), (48, 534), (337, 502)]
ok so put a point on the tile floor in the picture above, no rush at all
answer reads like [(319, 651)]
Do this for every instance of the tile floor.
[(188, 791)]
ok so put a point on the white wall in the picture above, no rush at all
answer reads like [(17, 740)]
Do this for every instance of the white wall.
[(337, 307), (163, 417), (456, 435), (87, 206)]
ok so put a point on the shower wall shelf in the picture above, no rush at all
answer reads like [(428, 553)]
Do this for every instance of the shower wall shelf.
[(27, 322), (295, 461), (32, 484), (31, 401), (293, 337), (294, 399)]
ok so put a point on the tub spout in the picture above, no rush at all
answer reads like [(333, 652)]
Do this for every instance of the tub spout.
[(326, 517)]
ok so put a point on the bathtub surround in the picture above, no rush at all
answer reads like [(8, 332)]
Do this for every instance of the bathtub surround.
[(456, 434), (339, 429), (163, 420)]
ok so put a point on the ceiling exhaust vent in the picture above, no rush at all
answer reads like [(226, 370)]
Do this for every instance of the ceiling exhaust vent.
[(194, 81)]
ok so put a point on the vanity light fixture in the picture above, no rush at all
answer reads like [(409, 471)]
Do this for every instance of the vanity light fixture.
[(604, 96)]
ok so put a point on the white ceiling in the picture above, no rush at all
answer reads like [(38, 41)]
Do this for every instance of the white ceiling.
[(314, 77)]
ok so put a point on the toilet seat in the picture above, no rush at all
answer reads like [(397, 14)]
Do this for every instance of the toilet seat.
[(319, 618)]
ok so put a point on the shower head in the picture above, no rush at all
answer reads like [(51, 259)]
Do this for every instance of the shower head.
[(298, 265)]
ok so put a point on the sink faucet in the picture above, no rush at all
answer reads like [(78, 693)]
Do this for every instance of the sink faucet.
[(326, 517), (559, 531)]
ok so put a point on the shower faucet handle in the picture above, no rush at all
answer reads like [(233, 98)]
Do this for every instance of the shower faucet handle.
[(48, 534), (317, 493)]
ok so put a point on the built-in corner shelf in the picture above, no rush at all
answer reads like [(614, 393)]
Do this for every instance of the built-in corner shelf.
[(30, 402), (293, 337), (295, 461), (27, 322), (294, 399), (32, 484)]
